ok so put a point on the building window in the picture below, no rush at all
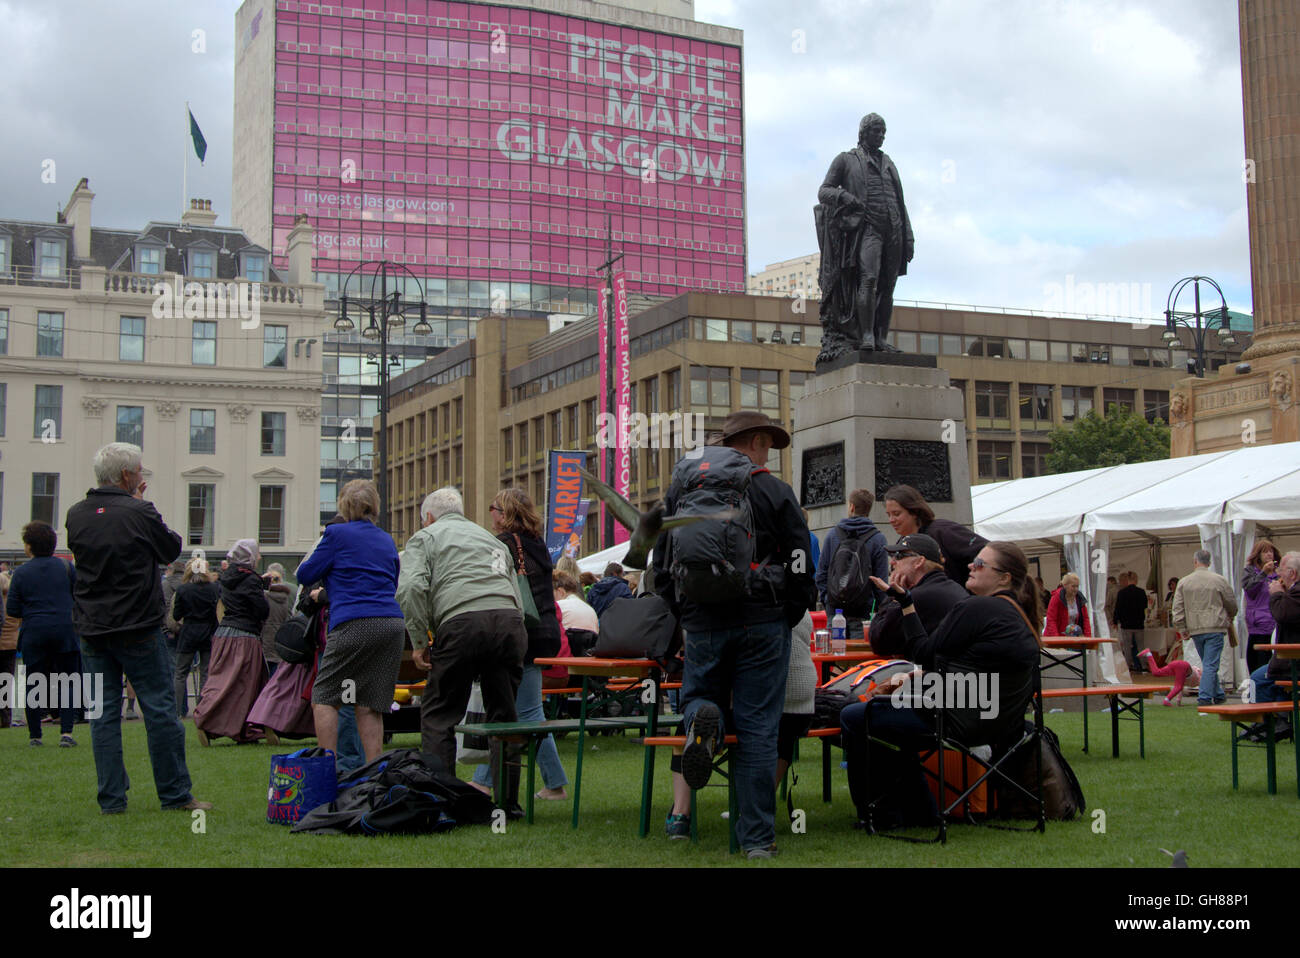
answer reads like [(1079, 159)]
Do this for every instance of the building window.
[(4, 332), (950, 345), (203, 432), (1033, 458), (49, 413), (50, 255), (130, 425), (45, 497), (1125, 399), (203, 498), (1038, 350), (760, 389), (4, 406), (992, 405), (130, 341), (49, 334), (1035, 407), (711, 391), (4, 254), (203, 264), (329, 495), (255, 268), (557, 438), (589, 416), (993, 459), (539, 438), (571, 425), (523, 443), (1076, 402), (150, 260), (1155, 405), (460, 415), (273, 434), (507, 448), (204, 344), (674, 389), (270, 516), (275, 346)]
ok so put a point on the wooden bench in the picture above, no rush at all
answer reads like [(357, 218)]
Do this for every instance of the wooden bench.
[(1245, 715), (1114, 693), (722, 763), (534, 732)]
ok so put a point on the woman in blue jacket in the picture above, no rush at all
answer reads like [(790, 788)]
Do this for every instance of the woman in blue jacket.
[(41, 595), (358, 564)]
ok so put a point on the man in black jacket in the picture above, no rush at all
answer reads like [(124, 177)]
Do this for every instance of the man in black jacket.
[(918, 566), (738, 653), (1131, 615), (118, 540)]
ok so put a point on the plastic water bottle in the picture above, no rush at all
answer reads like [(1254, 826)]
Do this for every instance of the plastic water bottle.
[(839, 633)]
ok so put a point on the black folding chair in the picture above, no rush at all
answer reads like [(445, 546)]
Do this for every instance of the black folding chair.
[(1015, 751)]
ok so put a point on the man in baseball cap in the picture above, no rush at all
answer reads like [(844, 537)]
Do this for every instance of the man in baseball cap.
[(916, 563)]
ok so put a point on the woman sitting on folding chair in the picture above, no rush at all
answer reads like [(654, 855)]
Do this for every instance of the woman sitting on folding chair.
[(991, 637)]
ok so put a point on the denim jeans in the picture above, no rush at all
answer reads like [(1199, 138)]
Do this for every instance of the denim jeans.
[(878, 772), (1209, 646), (1266, 689), (746, 666), (48, 665), (350, 753), (142, 657), (528, 704)]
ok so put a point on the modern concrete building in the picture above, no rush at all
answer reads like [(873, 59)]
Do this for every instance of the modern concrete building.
[(485, 147), (180, 337), (788, 278), (482, 415)]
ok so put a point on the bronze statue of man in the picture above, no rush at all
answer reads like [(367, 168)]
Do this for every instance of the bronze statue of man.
[(865, 238)]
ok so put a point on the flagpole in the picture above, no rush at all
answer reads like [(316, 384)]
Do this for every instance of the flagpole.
[(185, 161)]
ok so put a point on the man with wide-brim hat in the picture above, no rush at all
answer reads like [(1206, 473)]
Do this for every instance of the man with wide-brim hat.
[(737, 429), (738, 650)]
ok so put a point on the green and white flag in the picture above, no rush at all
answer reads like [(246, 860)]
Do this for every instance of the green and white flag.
[(200, 144)]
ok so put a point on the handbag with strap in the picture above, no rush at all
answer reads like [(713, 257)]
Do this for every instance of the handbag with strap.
[(532, 619)]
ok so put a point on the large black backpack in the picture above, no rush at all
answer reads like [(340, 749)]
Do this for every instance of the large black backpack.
[(295, 640), (640, 627), (710, 561), (848, 579)]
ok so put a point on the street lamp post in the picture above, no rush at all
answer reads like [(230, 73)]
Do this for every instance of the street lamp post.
[(1192, 320), (384, 309)]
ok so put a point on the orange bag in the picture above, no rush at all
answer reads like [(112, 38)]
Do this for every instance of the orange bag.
[(954, 784)]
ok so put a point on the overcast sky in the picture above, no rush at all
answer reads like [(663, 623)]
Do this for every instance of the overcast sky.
[(1044, 145)]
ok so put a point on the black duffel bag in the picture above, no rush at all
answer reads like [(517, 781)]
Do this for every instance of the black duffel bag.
[(639, 628)]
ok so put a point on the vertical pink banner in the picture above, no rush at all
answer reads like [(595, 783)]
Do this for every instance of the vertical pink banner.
[(622, 397)]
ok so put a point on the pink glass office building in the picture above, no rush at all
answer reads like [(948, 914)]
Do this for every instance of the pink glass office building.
[(484, 145)]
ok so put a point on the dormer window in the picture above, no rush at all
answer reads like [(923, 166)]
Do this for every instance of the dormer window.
[(149, 260), (4, 255), (49, 258), (255, 268), (203, 264)]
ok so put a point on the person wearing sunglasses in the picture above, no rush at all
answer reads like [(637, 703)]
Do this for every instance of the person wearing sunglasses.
[(909, 513), (992, 634), (916, 564)]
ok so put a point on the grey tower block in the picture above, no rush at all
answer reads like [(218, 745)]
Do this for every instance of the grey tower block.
[(910, 418)]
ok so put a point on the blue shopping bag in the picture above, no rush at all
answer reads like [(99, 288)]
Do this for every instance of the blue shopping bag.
[(300, 782)]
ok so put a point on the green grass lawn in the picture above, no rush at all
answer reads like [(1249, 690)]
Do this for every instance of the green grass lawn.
[(1179, 797)]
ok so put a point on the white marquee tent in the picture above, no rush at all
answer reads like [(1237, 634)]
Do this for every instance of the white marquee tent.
[(1220, 500)]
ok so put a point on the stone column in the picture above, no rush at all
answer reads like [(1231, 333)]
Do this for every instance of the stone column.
[(1270, 92)]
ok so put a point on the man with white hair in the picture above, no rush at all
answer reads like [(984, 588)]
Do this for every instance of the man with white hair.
[(1204, 607), (457, 584), (118, 540)]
